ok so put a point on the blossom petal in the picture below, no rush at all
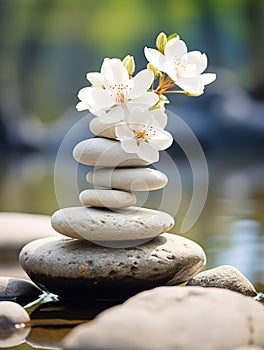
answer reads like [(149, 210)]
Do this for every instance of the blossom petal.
[(139, 115), (123, 131), (129, 146), (116, 73), (170, 70), (160, 117), (82, 106), (196, 58), (115, 115), (175, 48), (141, 83), (147, 99), (84, 93), (147, 152), (107, 63), (208, 78), (162, 140), (155, 57), (189, 71), (96, 97), (95, 78), (194, 84)]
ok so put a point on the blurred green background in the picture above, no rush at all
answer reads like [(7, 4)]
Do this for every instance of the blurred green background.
[(47, 47)]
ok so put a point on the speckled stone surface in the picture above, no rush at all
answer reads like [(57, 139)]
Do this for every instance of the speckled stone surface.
[(227, 277), (80, 269), (102, 224)]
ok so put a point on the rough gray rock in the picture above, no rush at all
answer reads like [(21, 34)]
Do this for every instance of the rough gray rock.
[(18, 290), (79, 269), (184, 318), (11, 314), (225, 276)]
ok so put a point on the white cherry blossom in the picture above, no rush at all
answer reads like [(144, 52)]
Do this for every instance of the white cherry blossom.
[(183, 67), (141, 134), (113, 93)]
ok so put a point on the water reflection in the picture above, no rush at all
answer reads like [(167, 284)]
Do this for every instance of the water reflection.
[(51, 323)]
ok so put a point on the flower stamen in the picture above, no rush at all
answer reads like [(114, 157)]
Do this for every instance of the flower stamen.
[(120, 93), (179, 66)]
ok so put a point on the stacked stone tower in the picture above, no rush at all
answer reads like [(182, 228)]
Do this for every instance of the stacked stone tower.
[(113, 248), (108, 216)]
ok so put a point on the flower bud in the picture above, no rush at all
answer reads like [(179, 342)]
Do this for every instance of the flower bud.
[(172, 36), (153, 69), (129, 64), (161, 42)]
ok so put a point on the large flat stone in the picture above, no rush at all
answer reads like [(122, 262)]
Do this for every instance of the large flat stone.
[(184, 318), (76, 269), (102, 224), (136, 179), (105, 152)]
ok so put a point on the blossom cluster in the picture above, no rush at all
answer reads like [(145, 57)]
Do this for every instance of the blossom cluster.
[(135, 105)]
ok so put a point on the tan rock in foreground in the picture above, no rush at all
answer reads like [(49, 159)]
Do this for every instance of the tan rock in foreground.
[(185, 318)]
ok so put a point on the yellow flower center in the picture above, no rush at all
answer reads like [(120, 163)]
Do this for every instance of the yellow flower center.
[(145, 134), (141, 134)]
